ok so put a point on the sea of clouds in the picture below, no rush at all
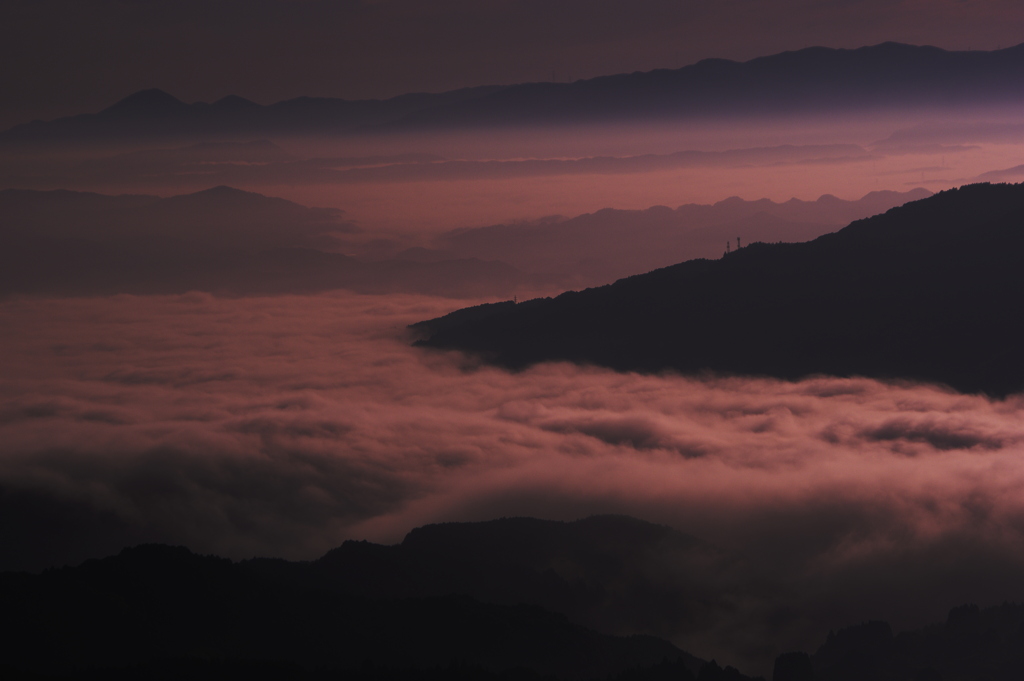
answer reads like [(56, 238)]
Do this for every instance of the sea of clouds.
[(282, 426)]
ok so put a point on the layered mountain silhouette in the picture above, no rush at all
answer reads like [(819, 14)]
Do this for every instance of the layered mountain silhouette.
[(612, 573), (159, 608), (221, 240), (598, 248), (155, 113), (236, 242), (438, 605), (813, 80), (927, 291)]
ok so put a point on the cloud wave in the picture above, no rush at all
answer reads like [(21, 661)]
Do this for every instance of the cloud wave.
[(285, 425)]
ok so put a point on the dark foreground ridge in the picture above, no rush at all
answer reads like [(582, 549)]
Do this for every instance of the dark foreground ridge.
[(157, 611), (928, 291), (432, 607)]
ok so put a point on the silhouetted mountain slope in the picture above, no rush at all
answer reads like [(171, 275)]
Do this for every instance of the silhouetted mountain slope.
[(812, 80), (151, 604), (160, 612), (971, 645), (600, 247), (613, 573), (154, 113), (928, 291), (221, 240)]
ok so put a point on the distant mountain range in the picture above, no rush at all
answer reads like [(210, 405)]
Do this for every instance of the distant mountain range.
[(812, 80), (928, 291), (598, 248), (221, 240), (154, 113), (453, 601), (230, 241)]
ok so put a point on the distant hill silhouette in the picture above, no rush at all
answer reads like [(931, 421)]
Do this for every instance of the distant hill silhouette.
[(231, 241), (812, 80), (221, 240), (157, 114), (220, 217), (159, 608), (598, 248), (927, 291)]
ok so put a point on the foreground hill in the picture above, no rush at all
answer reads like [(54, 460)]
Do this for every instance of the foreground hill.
[(613, 573), (928, 291), (433, 607), (160, 610)]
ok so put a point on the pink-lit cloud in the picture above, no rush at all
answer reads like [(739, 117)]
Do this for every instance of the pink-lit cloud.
[(285, 425)]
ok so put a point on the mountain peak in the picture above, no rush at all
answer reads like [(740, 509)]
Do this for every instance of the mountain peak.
[(152, 101), (223, 193), (223, 190)]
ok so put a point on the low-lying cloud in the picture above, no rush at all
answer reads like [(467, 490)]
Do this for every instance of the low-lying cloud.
[(285, 425)]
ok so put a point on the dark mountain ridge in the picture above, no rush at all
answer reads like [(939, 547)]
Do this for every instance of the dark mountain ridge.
[(612, 573), (157, 114), (610, 244), (152, 604), (811, 80), (163, 612), (927, 291)]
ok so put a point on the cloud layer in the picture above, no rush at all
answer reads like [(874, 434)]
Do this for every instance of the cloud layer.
[(283, 426)]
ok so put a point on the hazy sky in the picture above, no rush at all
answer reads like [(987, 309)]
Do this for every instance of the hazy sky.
[(67, 56)]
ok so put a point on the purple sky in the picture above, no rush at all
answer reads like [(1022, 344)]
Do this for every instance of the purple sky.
[(67, 56)]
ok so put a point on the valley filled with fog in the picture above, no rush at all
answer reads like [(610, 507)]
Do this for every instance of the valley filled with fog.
[(282, 426)]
